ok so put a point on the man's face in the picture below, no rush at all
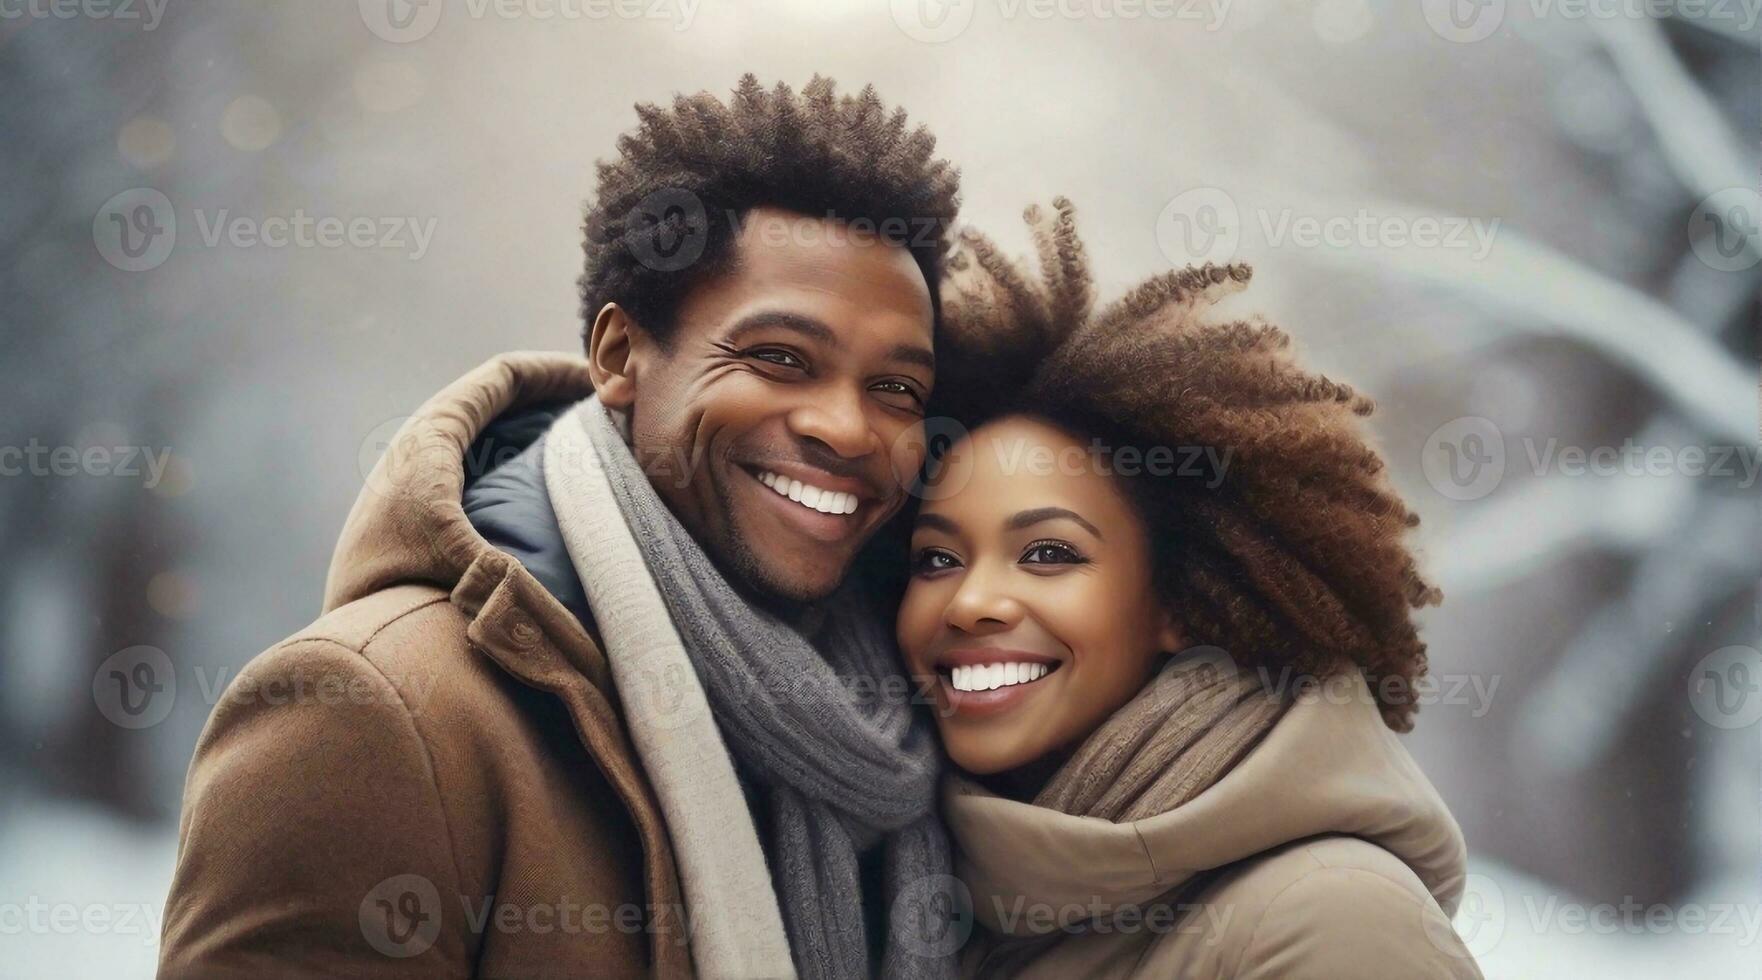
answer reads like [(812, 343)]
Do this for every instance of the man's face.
[(782, 418)]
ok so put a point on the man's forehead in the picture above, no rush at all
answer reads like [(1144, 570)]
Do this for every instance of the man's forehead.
[(807, 271), (787, 245)]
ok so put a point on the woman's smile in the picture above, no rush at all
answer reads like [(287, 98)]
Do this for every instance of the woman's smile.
[(979, 681)]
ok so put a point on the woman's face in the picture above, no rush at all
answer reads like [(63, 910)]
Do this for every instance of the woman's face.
[(1030, 596)]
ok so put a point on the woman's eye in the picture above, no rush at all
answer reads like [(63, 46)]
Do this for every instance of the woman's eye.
[(1051, 553), (933, 560)]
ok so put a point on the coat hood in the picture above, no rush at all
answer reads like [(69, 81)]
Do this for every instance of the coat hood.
[(1329, 767), (409, 523)]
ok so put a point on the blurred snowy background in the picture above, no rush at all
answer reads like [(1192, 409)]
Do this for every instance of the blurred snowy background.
[(1529, 227)]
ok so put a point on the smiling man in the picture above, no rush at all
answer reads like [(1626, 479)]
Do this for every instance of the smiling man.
[(611, 687), (784, 391)]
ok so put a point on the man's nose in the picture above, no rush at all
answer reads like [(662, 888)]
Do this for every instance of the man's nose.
[(836, 418)]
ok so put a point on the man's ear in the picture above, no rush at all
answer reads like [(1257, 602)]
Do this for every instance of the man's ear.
[(609, 356)]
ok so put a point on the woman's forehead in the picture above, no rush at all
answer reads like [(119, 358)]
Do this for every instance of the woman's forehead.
[(1020, 463)]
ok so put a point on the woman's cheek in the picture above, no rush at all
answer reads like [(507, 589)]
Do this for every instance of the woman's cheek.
[(918, 618)]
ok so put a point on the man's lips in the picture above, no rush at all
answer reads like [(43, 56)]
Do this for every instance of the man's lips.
[(813, 476), (827, 514)]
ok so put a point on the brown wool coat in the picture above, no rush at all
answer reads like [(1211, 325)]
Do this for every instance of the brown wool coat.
[(434, 779)]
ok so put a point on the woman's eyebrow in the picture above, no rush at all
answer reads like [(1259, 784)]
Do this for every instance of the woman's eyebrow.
[(1024, 518), (936, 521)]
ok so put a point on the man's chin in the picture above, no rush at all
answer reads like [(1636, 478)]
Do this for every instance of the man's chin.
[(781, 579), (793, 588)]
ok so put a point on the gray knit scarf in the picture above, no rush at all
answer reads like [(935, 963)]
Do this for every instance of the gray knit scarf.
[(842, 764)]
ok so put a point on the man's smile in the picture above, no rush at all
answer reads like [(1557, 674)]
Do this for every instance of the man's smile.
[(814, 503), (810, 496)]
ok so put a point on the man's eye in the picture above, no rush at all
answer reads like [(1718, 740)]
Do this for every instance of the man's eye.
[(1051, 553), (899, 388), (933, 560), (781, 358)]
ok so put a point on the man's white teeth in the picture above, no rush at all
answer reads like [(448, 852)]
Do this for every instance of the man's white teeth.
[(809, 496), (990, 677)]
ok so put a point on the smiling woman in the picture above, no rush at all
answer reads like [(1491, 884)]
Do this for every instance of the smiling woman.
[(1279, 539), (1018, 575), (1125, 658)]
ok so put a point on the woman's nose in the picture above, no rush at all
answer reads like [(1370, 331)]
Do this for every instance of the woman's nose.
[(981, 607)]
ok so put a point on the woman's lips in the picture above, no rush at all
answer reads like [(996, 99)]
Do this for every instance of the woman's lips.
[(982, 685)]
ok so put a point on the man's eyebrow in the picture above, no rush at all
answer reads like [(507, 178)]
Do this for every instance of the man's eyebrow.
[(804, 325), (913, 354), (1026, 518)]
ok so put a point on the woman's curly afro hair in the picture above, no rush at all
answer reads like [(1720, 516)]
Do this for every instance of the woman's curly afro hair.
[(665, 212), (1292, 556)]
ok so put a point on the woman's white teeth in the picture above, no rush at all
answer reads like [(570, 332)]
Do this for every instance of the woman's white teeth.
[(990, 677), (809, 496)]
